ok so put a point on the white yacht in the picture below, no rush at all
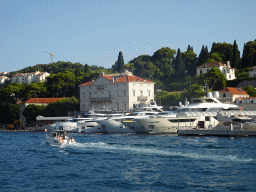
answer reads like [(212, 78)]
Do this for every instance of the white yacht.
[(71, 124), (116, 124), (91, 125), (151, 107), (200, 113)]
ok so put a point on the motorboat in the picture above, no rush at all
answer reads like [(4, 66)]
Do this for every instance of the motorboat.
[(199, 114), (59, 137)]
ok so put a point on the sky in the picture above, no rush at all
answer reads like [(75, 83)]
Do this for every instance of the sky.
[(93, 32)]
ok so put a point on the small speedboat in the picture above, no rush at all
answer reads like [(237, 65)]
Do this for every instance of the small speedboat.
[(59, 137)]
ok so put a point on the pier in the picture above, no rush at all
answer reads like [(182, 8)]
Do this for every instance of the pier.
[(222, 133)]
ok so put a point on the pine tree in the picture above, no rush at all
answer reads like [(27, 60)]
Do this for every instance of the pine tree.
[(235, 59)]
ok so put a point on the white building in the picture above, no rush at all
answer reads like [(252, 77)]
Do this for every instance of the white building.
[(28, 78), (225, 69), (115, 92), (3, 79), (252, 72)]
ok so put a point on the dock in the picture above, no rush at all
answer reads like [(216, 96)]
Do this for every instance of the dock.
[(221, 133)]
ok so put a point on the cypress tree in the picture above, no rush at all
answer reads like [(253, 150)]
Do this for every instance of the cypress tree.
[(206, 53), (203, 56), (188, 48), (243, 64), (235, 59), (179, 66), (120, 63)]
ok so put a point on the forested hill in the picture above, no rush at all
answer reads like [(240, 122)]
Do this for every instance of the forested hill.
[(60, 66)]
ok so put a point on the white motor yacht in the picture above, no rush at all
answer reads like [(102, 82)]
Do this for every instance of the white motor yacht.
[(71, 124), (200, 113), (116, 124)]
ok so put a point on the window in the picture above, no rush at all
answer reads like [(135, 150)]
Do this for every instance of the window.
[(133, 93), (124, 93), (90, 94), (224, 94), (117, 106), (207, 118), (229, 76), (117, 94), (141, 93), (109, 94), (148, 93), (124, 106), (200, 71)]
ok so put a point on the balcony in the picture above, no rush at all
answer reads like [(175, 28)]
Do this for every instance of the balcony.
[(101, 100)]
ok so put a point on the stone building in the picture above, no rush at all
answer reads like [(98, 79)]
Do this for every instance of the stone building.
[(229, 94), (115, 92)]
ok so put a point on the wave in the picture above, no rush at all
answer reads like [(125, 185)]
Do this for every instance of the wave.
[(156, 151)]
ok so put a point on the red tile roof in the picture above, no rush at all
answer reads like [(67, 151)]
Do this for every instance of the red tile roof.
[(252, 68), (215, 64), (246, 98), (234, 91), (122, 79), (126, 78), (88, 83), (43, 100)]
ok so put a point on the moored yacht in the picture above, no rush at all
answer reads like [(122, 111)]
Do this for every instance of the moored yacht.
[(116, 124), (200, 113)]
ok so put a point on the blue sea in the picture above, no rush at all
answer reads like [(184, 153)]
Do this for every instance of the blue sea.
[(127, 162)]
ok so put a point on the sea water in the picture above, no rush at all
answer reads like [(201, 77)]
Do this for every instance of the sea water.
[(127, 162)]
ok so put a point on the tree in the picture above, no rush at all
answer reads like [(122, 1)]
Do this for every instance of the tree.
[(87, 68), (119, 65), (249, 59), (236, 58), (61, 84), (164, 52), (215, 57), (215, 79), (250, 90), (62, 107), (203, 56), (179, 67), (223, 50), (189, 58), (32, 111), (193, 91)]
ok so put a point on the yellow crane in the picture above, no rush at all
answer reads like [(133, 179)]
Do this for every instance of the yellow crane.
[(51, 55)]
